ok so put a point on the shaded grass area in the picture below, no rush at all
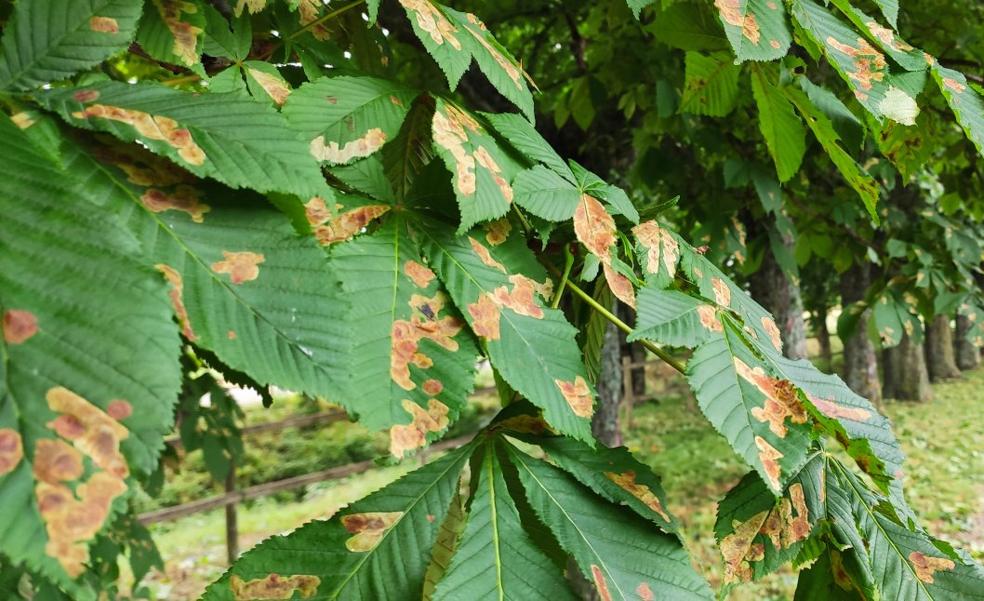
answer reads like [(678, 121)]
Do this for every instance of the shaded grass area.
[(943, 440)]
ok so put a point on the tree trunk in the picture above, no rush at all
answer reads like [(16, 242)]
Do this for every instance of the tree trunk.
[(860, 360), (781, 297), (604, 424), (634, 350), (823, 337), (907, 378), (968, 355), (940, 360)]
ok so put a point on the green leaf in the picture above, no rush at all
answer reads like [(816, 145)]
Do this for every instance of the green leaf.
[(890, 9), (89, 354), (203, 133), (173, 32), (524, 138), (266, 83), (859, 64), (909, 58), (758, 533), (847, 125), (347, 118), (481, 170), (823, 130), (546, 194), (231, 40), (750, 405), (711, 85), (619, 552), (410, 362), (619, 203), (636, 6), (411, 151), (964, 101), (819, 582), (614, 474), (497, 558), (756, 28), (689, 26), (501, 306), (673, 318), (377, 548), (50, 40), (446, 544), (782, 129)]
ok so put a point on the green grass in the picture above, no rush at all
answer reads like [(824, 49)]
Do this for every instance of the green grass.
[(943, 440)]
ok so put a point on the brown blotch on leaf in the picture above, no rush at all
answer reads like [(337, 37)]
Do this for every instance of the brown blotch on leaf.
[(781, 399), (369, 143), (273, 586), (185, 34), (407, 437), (526, 424), (887, 37), (231, 334), (275, 87), (18, 326), (709, 319), (309, 11), (510, 68), (177, 300), (86, 95), (424, 323), (775, 336), (521, 298), (722, 293), (578, 396), (627, 481), (833, 410), (101, 434), (183, 198), (151, 127), (595, 228), (620, 286), (11, 450), (954, 85), (769, 456), (779, 525), (431, 20), (926, 565), (645, 593), (450, 130), (368, 528), (659, 244), (56, 461), (869, 63), (119, 409), (343, 226), (432, 387), (497, 231), (420, 275), (242, 266), (600, 583), (485, 317), (731, 13), (775, 44), (104, 24), (485, 256)]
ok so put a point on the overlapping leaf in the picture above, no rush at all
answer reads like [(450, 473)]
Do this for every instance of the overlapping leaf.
[(204, 133), (674, 318), (531, 346), (52, 40), (909, 58), (89, 372), (711, 85), (172, 31), (782, 129), (965, 102), (756, 28)]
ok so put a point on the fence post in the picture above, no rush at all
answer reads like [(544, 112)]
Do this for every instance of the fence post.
[(232, 526)]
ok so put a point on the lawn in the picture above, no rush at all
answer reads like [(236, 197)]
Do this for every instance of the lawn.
[(943, 440)]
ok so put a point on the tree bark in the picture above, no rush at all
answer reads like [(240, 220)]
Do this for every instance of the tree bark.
[(860, 360), (907, 378), (633, 350), (604, 423), (940, 360), (781, 297), (968, 355), (823, 337)]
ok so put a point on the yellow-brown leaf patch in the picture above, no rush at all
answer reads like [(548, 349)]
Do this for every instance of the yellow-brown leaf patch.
[(22, 119), (485, 316), (831, 409), (770, 327), (275, 87), (430, 19), (645, 593), (485, 256), (420, 275), (722, 292), (185, 34), (425, 323), (91, 430), (407, 437), (119, 409), (926, 565), (887, 36), (343, 226), (594, 227), (869, 63), (497, 231), (104, 24), (273, 586), (450, 130), (507, 65), (11, 450), (309, 11), (368, 528), (627, 481), (769, 456), (731, 13), (709, 319), (18, 326), (954, 85), (781, 399), (659, 245), (254, 6), (242, 266), (56, 461), (177, 299), (601, 585), (183, 198), (150, 127), (432, 387), (526, 424), (521, 298), (620, 286), (578, 396), (337, 154)]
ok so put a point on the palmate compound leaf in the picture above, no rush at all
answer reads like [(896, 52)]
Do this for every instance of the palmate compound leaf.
[(756, 28), (533, 347), (481, 170), (229, 137), (89, 372), (347, 118), (496, 558), (757, 532), (411, 358), (908, 57), (378, 548), (884, 558), (50, 40), (241, 281), (622, 554), (522, 135), (674, 318), (453, 38)]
